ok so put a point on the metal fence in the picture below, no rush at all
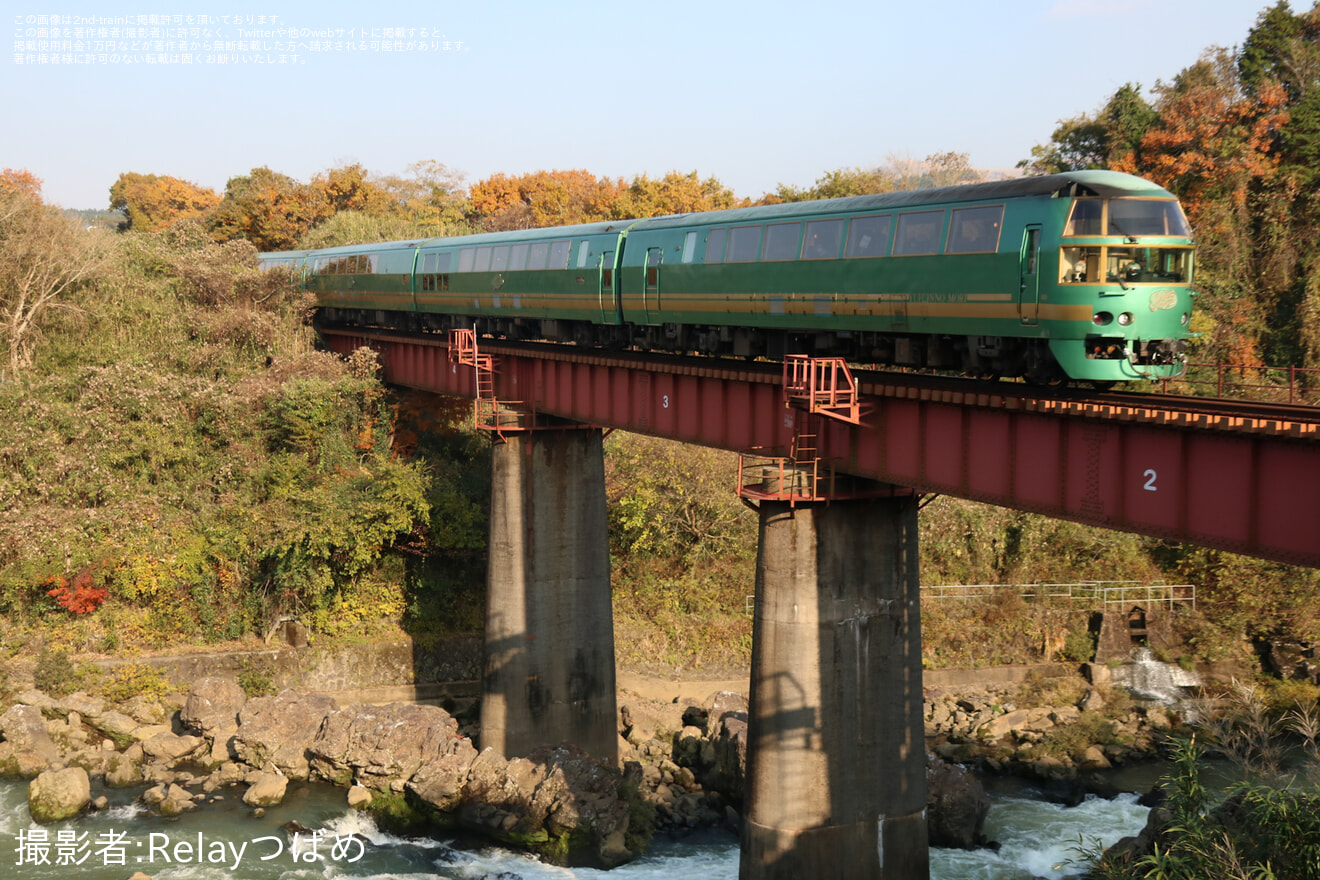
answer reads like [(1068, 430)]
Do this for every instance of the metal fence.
[(1098, 595), (1083, 595)]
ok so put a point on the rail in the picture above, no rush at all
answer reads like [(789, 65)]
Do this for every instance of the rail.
[(1294, 385), (1107, 595)]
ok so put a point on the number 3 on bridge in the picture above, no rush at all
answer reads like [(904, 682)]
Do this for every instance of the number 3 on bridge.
[(664, 401)]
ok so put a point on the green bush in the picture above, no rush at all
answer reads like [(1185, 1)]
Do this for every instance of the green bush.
[(131, 680)]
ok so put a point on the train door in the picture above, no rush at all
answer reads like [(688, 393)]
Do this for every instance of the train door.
[(651, 285), (609, 297), (1029, 275)]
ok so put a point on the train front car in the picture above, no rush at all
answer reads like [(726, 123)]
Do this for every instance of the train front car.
[(1114, 279)]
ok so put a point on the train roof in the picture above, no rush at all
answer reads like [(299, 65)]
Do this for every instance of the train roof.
[(1108, 184)]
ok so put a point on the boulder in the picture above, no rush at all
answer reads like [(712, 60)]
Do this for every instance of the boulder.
[(956, 806), (168, 748), (381, 746), (115, 725), (279, 729), (267, 791), (24, 729), (122, 771), (56, 795), (212, 705), (359, 798)]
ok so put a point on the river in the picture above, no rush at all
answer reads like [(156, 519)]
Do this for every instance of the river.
[(221, 841)]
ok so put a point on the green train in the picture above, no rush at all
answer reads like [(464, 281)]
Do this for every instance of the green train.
[(1083, 276)]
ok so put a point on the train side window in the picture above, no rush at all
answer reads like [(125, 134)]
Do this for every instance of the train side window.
[(1086, 219), (482, 263), (465, 256), (517, 257), (537, 254), (868, 236), (823, 240), (918, 233), (975, 230), (442, 262), (559, 253), (781, 241), (429, 263), (744, 244), (582, 254), (689, 246), (499, 258), (715, 245)]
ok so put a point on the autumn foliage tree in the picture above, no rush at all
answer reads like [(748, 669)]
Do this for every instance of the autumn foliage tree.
[(269, 209), (675, 193), (153, 202), (543, 198), (1236, 136), (20, 181)]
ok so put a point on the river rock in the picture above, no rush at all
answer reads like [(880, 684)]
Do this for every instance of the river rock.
[(359, 798), (168, 747), (24, 729), (79, 703), (115, 725), (956, 805), (56, 795), (382, 747), (212, 705), (279, 729), (267, 791), (122, 771)]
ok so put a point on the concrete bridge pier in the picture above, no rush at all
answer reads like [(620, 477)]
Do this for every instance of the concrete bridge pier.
[(836, 782), (549, 667)]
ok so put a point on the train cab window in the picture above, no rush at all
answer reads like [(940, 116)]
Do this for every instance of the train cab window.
[(822, 240), (583, 253), (781, 241), (373, 260), (868, 236), (537, 255), (744, 244), (559, 253), (1137, 265), (482, 263), (689, 246), (1146, 217), (715, 245), (499, 258), (918, 233), (517, 257), (1087, 218), (975, 230), (465, 258), (1079, 265)]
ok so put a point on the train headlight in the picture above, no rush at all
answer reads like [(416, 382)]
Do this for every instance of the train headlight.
[(1186, 318), (1125, 319), (1102, 319)]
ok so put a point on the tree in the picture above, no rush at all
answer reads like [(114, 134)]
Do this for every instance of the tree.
[(543, 198), (22, 182), (1100, 140), (675, 193), (431, 194), (151, 203), (835, 184), (44, 255), (271, 210), (348, 188)]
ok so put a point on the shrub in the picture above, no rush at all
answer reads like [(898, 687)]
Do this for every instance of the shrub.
[(55, 673), (134, 679)]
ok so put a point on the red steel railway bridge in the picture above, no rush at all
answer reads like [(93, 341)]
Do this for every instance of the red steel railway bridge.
[(837, 463)]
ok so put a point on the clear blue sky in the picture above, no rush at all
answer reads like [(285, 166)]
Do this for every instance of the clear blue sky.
[(754, 94)]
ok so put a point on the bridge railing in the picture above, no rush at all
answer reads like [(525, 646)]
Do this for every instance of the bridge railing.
[(1294, 385), (1098, 595)]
